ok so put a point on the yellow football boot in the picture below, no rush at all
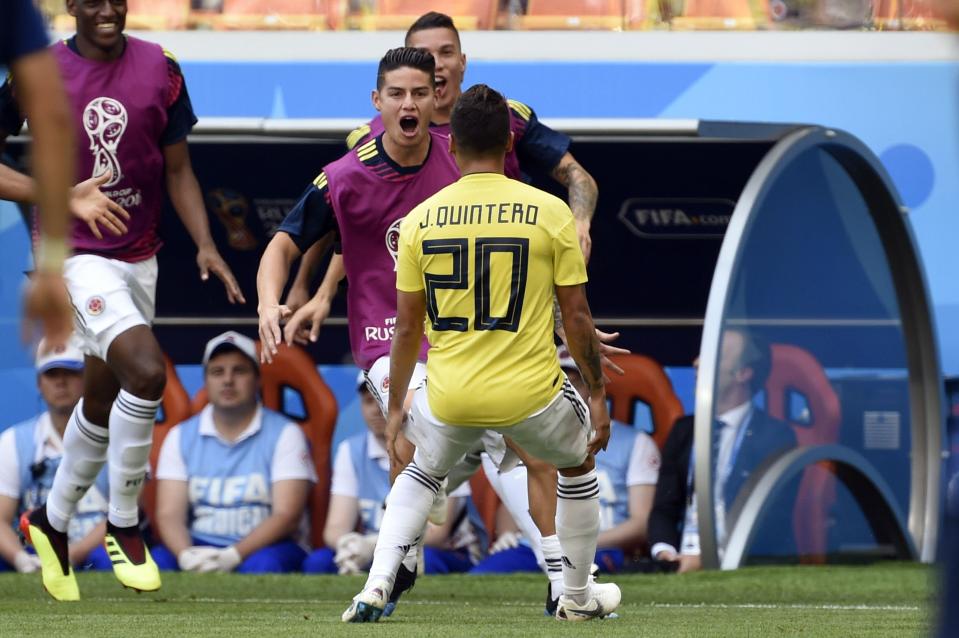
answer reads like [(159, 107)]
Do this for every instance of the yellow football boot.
[(52, 550), (132, 564)]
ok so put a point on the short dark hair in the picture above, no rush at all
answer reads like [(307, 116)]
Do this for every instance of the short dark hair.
[(757, 355), (400, 57), (479, 122), (433, 20)]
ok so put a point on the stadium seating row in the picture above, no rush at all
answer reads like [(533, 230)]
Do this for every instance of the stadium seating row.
[(538, 14)]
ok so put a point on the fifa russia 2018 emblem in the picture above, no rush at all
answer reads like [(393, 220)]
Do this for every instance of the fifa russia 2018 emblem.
[(393, 240), (105, 120)]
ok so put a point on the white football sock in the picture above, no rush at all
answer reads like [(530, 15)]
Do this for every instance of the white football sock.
[(131, 437), (412, 559), (84, 453), (403, 521), (553, 557), (513, 491), (577, 525)]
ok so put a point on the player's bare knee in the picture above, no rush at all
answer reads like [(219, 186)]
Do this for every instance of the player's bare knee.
[(146, 380), (540, 468)]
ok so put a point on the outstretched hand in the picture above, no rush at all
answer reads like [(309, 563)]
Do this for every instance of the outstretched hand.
[(208, 260), (270, 334), (605, 350), (304, 326), (89, 204)]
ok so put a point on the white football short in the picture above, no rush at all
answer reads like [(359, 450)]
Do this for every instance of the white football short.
[(557, 434), (378, 380), (109, 297), (378, 383)]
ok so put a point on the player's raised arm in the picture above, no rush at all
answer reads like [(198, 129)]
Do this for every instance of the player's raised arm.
[(311, 220), (187, 199), (299, 293), (271, 277), (304, 326), (583, 193)]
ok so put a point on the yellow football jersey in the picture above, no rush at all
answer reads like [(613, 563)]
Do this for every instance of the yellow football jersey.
[(487, 251)]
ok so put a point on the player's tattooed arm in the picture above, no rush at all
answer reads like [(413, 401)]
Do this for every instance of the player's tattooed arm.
[(585, 347), (583, 193)]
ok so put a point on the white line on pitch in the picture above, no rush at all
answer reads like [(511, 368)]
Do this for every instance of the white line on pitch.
[(306, 601)]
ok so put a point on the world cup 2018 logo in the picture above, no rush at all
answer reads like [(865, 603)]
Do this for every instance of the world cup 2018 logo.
[(393, 240), (105, 120)]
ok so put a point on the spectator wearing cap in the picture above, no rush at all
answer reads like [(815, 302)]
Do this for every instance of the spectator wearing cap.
[(626, 472), (233, 480), (29, 455), (360, 484)]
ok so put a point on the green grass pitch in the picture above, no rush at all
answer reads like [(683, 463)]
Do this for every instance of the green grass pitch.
[(879, 600)]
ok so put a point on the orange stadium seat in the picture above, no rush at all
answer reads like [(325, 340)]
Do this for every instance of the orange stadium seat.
[(293, 368), (271, 14), (400, 14), (573, 14), (159, 15), (175, 407), (796, 370), (646, 381), (909, 14), (722, 14), (646, 14)]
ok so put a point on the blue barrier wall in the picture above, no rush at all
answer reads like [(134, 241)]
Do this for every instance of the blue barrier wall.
[(905, 112)]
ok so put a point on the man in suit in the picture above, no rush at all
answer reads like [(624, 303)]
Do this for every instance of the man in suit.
[(745, 438), (665, 526)]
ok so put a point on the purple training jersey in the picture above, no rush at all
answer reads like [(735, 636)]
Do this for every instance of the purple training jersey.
[(365, 194), (120, 113)]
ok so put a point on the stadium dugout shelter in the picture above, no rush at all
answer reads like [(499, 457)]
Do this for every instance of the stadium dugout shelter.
[(792, 232)]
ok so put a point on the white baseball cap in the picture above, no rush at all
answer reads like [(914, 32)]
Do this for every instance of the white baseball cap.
[(68, 357), (231, 340)]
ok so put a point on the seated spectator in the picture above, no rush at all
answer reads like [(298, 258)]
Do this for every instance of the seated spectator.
[(361, 482), (29, 455), (627, 472), (746, 438), (234, 479)]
